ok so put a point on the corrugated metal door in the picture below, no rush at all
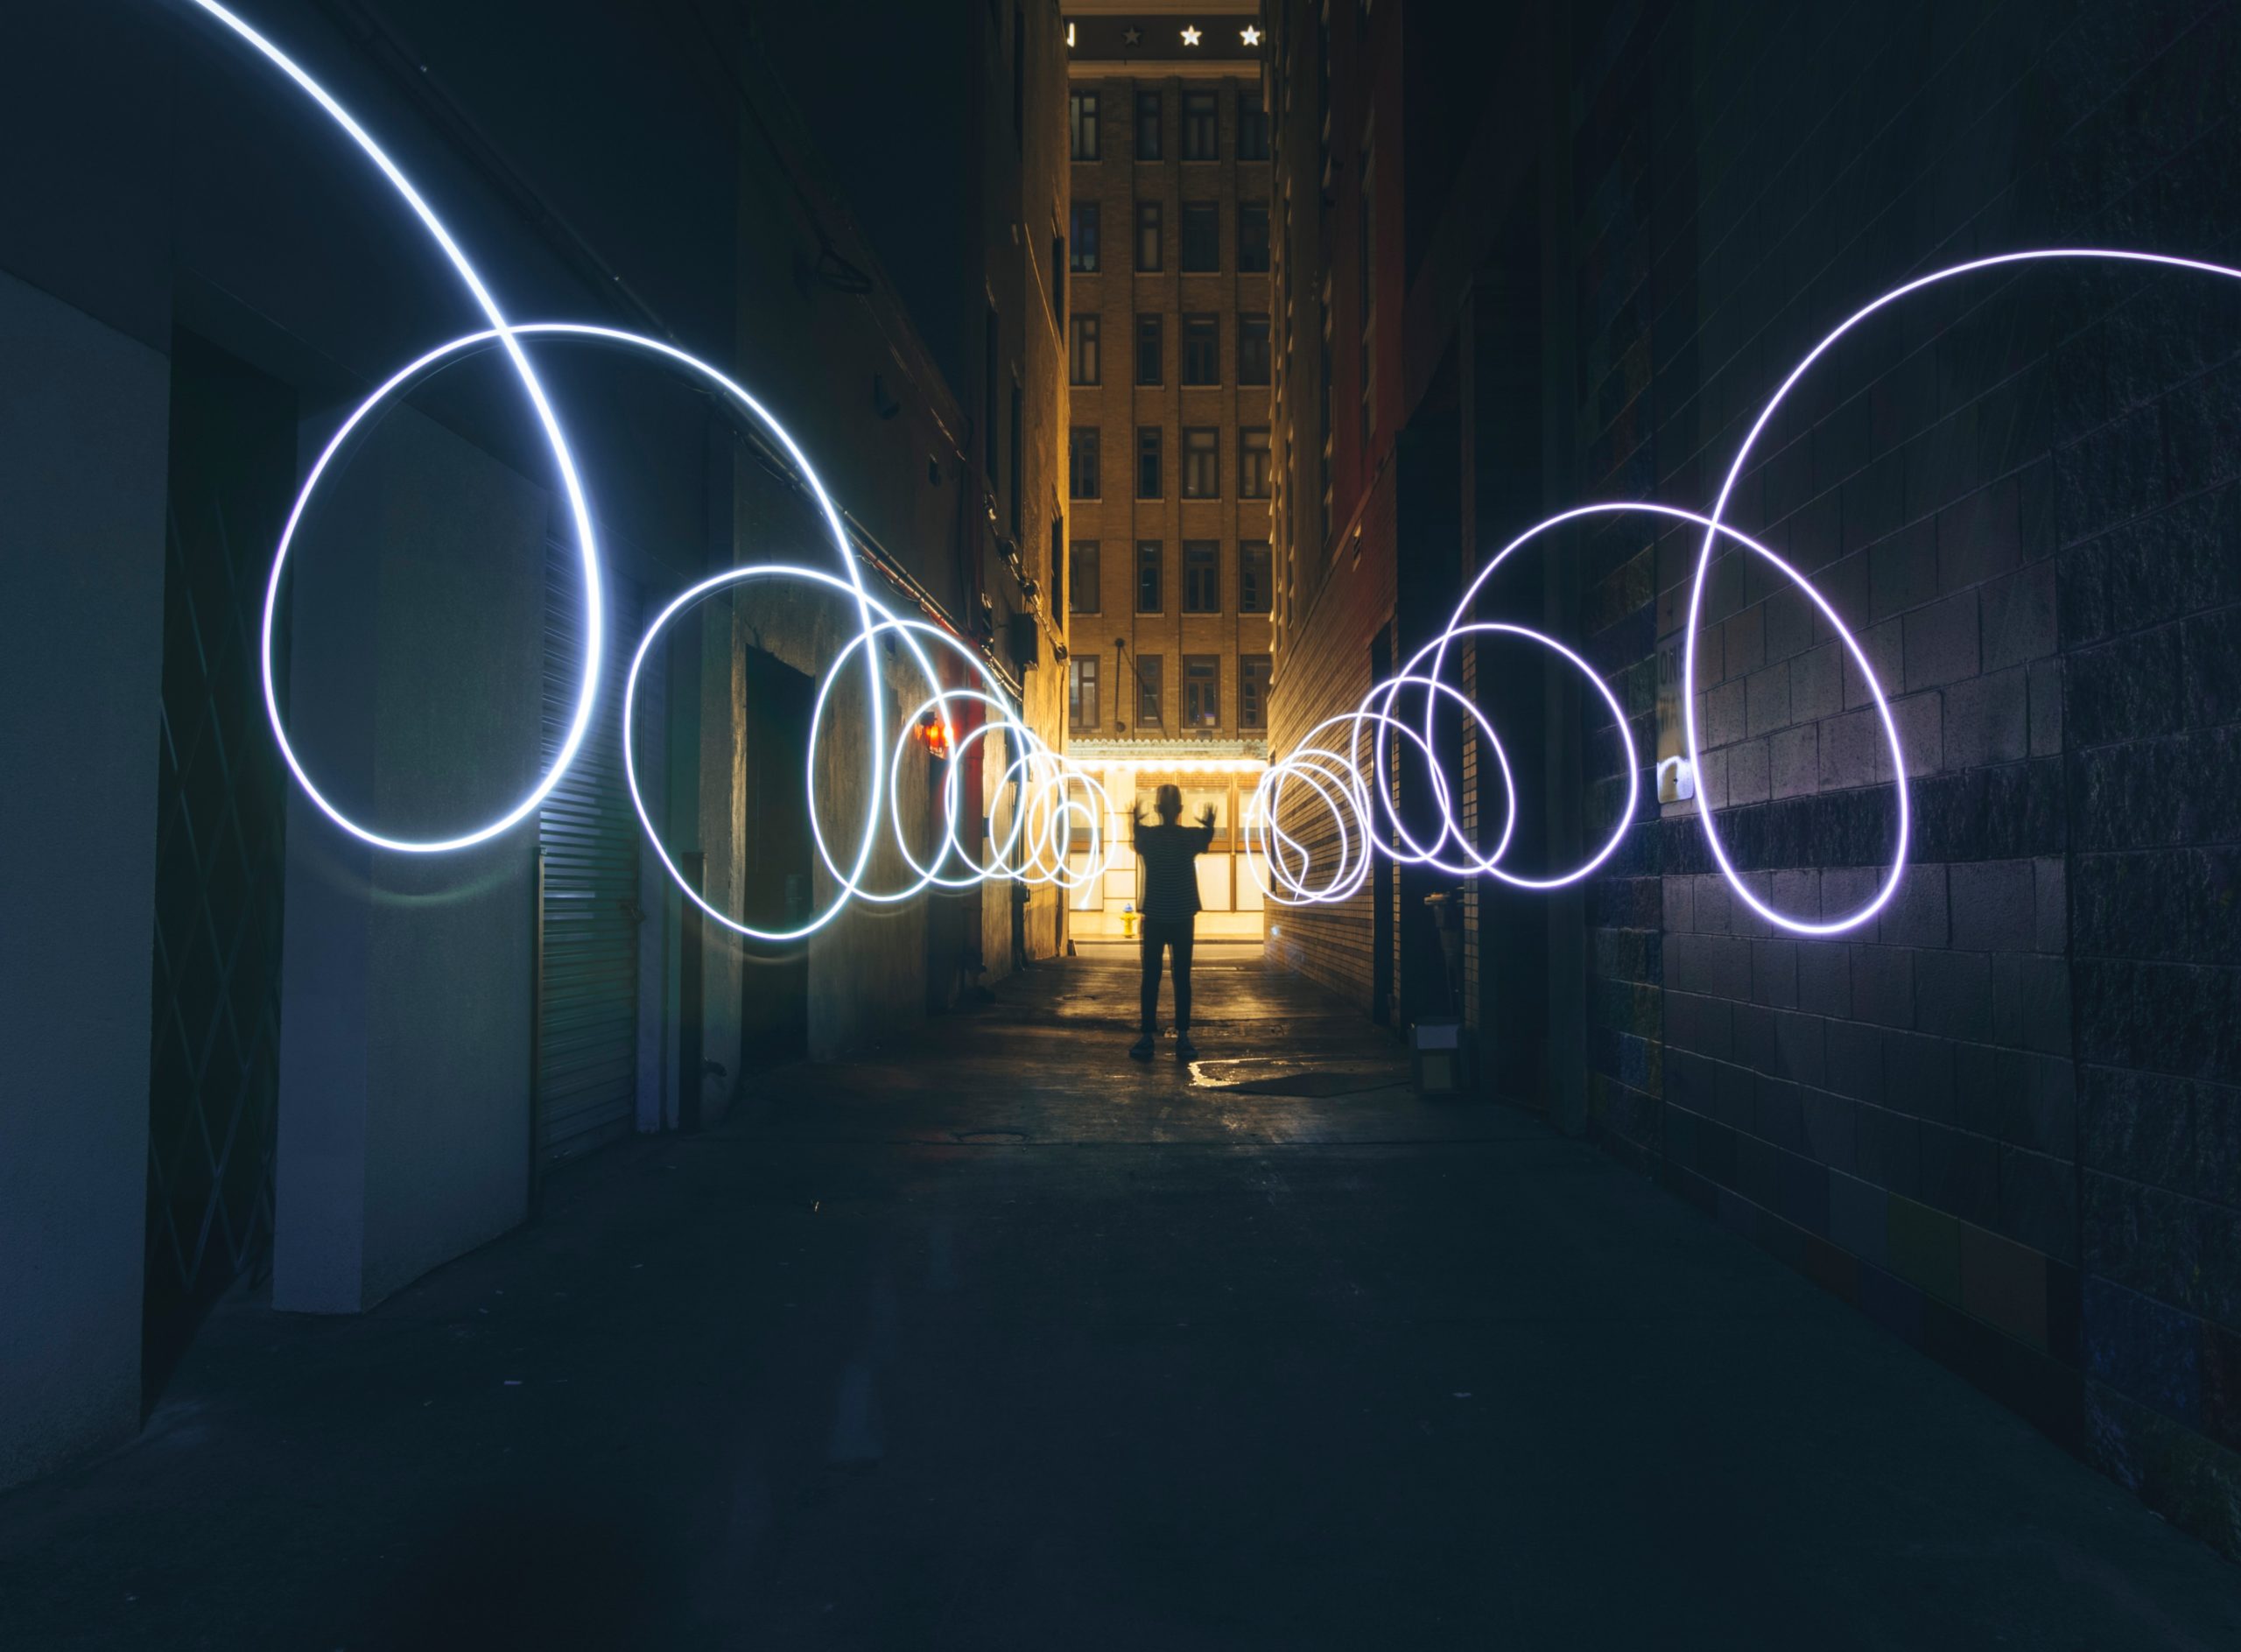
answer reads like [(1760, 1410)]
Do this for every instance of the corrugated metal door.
[(587, 1026)]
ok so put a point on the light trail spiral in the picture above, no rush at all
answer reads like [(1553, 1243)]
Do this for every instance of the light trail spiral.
[(1327, 779), (1056, 802), (1338, 772)]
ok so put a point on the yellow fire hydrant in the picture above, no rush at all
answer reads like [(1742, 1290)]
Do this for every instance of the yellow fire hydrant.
[(1127, 923)]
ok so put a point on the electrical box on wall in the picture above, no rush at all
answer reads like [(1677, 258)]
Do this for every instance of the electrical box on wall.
[(1677, 779)]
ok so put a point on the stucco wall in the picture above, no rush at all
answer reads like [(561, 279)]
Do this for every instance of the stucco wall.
[(82, 427), (418, 623)]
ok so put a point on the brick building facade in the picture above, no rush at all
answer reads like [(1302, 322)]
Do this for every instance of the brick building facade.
[(1170, 581)]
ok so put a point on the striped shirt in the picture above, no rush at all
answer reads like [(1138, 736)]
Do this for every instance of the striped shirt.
[(1170, 854)]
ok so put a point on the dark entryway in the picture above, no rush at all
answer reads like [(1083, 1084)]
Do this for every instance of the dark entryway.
[(221, 811), (779, 888)]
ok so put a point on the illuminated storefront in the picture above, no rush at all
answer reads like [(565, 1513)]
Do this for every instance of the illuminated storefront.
[(1222, 775)]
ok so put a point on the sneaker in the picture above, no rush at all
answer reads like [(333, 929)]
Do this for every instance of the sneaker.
[(1142, 1050), (1184, 1050)]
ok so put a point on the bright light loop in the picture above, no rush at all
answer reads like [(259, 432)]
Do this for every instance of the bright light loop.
[(1336, 781), (1046, 776), (594, 612), (1056, 800), (1713, 526)]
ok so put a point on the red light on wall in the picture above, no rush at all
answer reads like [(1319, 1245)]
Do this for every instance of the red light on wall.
[(934, 735)]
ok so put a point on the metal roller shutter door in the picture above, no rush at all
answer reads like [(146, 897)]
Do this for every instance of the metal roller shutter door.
[(587, 1028)]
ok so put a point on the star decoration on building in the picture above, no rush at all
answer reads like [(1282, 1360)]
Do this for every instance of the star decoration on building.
[(1250, 35), (1131, 35), (1190, 37)]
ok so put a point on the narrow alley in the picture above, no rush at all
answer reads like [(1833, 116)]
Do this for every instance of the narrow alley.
[(999, 1339)]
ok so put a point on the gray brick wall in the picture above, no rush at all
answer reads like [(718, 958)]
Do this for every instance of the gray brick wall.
[(2005, 1117)]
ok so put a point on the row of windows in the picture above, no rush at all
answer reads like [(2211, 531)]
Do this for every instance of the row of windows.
[(1202, 462), (1201, 237), (1201, 349), (1202, 576), (1202, 691), (1201, 125)]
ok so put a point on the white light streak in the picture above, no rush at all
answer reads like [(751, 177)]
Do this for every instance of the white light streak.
[(1356, 800), (1055, 799)]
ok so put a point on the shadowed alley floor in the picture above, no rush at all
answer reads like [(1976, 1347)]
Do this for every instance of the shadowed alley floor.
[(998, 1340)]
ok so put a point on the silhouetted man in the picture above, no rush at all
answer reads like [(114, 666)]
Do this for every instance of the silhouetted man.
[(1170, 903)]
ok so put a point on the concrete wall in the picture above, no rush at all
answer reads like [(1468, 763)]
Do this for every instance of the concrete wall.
[(157, 177), (1997, 1117), (416, 617), (83, 418)]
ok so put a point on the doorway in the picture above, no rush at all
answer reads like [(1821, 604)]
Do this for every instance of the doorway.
[(221, 822), (777, 888)]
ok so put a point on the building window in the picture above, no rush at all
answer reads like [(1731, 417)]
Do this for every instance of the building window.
[(1084, 226), (1147, 236), (1081, 574), (1085, 368), (1081, 462), (1149, 483), (1150, 368), (1199, 126), (1081, 694), (1252, 125), (1202, 464), (1253, 673), (1081, 113), (1149, 711), (1201, 237), (1253, 235), (1202, 690), (1150, 558), (1254, 585), (1201, 349), (1253, 349), (1253, 463), (1146, 125), (1202, 576)]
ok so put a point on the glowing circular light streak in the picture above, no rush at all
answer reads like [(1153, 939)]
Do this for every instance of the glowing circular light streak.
[(1714, 526), (1045, 774), (1338, 783), (1055, 799), (594, 613)]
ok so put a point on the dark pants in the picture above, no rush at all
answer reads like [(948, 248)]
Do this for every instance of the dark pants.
[(1160, 932)]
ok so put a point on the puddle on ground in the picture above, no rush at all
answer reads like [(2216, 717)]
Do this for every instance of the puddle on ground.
[(1270, 1075)]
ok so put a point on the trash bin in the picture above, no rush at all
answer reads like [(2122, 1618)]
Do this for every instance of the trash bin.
[(1436, 1056)]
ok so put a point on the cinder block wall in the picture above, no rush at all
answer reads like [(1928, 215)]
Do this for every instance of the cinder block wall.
[(2004, 1119)]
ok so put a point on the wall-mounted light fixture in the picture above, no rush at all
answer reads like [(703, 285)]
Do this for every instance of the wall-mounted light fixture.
[(935, 736)]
